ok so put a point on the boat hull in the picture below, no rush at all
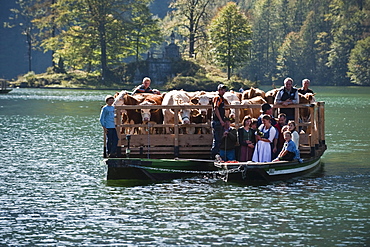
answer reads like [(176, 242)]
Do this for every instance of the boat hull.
[(4, 91), (157, 169), (250, 172)]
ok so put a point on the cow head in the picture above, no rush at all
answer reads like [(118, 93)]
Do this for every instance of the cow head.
[(145, 113), (233, 110), (119, 98), (185, 114)]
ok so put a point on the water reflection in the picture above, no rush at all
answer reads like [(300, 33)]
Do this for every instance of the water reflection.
[(53, 190)]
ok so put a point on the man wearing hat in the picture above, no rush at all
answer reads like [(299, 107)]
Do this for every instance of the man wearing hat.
[(266, 109), (109, 126), (228, 141), (218, 116)]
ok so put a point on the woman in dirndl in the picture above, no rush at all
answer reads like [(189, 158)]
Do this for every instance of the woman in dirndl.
[(265, 136)]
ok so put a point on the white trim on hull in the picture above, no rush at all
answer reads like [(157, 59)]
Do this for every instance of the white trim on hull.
[(273, 172)]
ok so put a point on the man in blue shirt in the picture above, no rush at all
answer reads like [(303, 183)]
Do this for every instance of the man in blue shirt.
[(109, 126)]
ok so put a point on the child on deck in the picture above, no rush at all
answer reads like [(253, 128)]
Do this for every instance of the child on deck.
[(289, 151)]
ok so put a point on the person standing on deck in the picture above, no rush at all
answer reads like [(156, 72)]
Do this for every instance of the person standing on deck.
[(228, 141), (304, 89), (145, 87), (287, 95), (247, 139), (266, 109), (265, 135), (109, 126), (218, 116), (279, 126)]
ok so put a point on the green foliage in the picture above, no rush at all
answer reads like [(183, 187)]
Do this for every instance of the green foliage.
[(97, 35), (196, 76), (359, 63), (70, 79), (190, 18), (311, 39), (290, 55), (230, 35), (347, 20)]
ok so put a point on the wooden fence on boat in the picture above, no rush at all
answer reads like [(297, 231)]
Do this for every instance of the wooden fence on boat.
[(150, 141)]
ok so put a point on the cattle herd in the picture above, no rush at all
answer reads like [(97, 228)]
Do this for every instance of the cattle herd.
[(187, 116)]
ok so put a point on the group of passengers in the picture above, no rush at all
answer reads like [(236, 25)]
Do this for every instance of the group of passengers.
[(263, 143), (260, 140)]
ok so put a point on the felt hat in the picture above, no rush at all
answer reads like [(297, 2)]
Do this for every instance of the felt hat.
[(265, 107), (221, 86)]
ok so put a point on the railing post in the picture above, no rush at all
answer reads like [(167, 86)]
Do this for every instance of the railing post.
[(176, 132), (321, 124)]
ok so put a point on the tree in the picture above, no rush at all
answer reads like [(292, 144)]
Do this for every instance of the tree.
[(191, 18), (22, 17), (230, 35), (97, 34), (348, 19), (290, 57), (144, 30), (359, 63)]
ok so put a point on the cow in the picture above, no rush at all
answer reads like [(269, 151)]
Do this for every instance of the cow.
[(201, 115), (176, 97), (253, 92), (304, 113), (133, 115), (271, 95), (253, 112), (232, 99), (118, 98), (152, 116)]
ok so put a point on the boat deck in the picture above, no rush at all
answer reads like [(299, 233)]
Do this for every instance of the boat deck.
[(149, 141)]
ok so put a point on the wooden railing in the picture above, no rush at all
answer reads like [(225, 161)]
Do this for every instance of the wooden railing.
[(147, 144)]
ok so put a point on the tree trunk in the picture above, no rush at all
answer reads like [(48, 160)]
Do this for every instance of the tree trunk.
[(29, 53), (191, 45), (103, 49)]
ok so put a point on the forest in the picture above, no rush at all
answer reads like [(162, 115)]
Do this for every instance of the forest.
[(260, 41)]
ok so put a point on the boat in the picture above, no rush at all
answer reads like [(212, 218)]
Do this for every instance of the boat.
[(151, 155), (4, 88)]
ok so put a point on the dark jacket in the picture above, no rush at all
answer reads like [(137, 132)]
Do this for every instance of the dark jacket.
[(240, 136), (228, 142)]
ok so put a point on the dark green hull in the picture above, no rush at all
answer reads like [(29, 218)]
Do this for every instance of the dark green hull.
[(157, 169), (250, 172)]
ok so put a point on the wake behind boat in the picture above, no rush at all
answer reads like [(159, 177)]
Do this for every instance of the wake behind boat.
[(158, 151)]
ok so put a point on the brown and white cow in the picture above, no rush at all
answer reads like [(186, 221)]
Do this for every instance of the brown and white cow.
[(271, 95), (253, 112), (253, 92), (201, 115), (133, 116), (152, 116), (304, 113), (176, 97), (232, 99)]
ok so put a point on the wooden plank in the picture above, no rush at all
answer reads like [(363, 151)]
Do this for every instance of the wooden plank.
[(180, 107), (191, 140), (153, 140), (164, 139), (303, 139), (176, 129), (321, 118)]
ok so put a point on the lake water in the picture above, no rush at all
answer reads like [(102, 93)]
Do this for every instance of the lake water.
[(53, 190)]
